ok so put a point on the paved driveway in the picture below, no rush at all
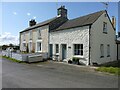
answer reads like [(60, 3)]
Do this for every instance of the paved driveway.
[(53, 75)]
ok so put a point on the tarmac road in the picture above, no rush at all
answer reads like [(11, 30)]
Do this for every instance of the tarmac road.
[(53, 75)]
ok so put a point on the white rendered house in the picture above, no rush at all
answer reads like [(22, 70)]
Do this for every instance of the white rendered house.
[(90, 38)]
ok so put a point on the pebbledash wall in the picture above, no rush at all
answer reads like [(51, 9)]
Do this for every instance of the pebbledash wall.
[(79, 35), (98, 37)]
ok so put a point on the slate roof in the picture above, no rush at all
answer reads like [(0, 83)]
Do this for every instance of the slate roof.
[(77, 22), (40, 24), (81, 21)]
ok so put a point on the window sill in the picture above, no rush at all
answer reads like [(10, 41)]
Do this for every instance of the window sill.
[(39, 51), (57, 54), (78, 56)]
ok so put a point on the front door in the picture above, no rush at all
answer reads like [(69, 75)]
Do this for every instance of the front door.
[(51, 50), (64, 51)]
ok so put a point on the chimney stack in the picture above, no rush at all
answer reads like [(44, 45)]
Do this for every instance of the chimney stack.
[(114, 21), (32, 22), (62, 12)]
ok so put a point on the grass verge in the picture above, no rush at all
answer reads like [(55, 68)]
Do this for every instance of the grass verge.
[(12, 59), (112, 70)]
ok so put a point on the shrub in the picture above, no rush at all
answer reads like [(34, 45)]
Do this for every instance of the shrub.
[(75, 60)]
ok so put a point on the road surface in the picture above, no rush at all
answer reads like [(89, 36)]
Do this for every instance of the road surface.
[(53, 75)]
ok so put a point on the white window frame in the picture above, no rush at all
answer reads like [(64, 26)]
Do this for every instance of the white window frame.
[(81, 48), (39, 34), (24, 46), (23, 36), (30, 34), (108, 50), (105, 27), (56, 48), (30, 47), (38, 41), (101, 50)]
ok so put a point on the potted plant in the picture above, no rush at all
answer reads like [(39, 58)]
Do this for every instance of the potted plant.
[(75, 60)]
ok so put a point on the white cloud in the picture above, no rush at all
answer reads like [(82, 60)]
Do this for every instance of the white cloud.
[(28, 14), (7, 38), (34, 17), (15, 13)]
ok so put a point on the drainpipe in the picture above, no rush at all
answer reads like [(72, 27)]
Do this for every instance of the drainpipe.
[(117, 51), (89, 44)]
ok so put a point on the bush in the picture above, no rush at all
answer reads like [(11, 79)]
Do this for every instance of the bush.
[(69, 61), (75, 60)]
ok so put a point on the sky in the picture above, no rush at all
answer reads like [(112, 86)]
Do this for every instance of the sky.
[(16, 15)]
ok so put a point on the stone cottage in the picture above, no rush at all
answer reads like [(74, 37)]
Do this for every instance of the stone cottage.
[(91, 38)]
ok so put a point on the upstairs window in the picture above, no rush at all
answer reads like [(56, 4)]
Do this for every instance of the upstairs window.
[(24, 36), (39, 34), (101, 50), (30, 35), (105, 27), (78, 49)]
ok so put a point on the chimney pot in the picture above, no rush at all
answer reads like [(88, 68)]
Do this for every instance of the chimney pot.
[(32, 22)]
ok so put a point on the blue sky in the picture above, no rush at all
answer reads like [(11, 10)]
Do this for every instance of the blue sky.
[(15, 16)]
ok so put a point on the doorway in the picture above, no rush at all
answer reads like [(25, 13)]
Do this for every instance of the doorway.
[(50, 51), (64, 51)]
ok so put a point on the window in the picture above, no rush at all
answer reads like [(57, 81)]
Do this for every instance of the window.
[(24, 36), (39, 34), (24, 47), (30, 46), (78, 49), (102, 50), (24, 44), (104, 27), (30, 35), (108, 50), (38, 46), (57, 48)]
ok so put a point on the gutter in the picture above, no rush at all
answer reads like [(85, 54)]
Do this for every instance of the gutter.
[(89, 45)]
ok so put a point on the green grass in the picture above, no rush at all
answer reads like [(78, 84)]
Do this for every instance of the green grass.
[(12, 59), (113, 70)]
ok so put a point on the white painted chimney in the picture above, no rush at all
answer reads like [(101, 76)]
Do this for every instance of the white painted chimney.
[(114, 21)]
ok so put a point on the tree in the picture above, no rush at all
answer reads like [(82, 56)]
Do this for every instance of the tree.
[(4, 47), (11, 45)]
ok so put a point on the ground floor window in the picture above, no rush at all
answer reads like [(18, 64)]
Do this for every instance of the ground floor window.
[(57, 48), (101, 50), (30, 46), (24, 47), (39, 46), (78, 49)]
